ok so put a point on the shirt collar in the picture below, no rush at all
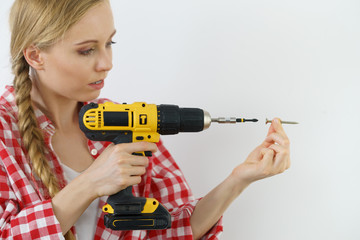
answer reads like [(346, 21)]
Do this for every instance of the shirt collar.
[(9, 102)]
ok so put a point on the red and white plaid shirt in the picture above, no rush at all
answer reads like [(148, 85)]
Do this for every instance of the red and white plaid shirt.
[(25, 206)]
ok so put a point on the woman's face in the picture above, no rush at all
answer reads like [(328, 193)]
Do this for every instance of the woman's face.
[(75, 68)]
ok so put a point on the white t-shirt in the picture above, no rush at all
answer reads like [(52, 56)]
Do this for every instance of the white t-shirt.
[(86, 224)]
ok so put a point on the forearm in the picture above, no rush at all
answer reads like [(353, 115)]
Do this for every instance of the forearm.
[(72, 201), (210, 208)]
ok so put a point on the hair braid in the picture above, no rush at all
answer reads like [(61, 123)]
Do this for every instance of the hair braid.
[(32, 136), (42, 23)]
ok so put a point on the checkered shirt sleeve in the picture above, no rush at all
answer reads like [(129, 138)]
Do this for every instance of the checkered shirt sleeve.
[(23, 214)]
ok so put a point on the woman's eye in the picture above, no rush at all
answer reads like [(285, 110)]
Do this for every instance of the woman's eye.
[(87, 51), (110, 43)]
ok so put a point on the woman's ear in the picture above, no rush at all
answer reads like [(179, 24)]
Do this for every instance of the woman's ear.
[(34, 58)]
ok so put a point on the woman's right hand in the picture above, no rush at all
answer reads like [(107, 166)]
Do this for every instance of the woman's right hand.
[(117, 168)]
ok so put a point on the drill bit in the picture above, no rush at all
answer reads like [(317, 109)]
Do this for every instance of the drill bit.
[(232, 120), (282, 122), (246, 120)]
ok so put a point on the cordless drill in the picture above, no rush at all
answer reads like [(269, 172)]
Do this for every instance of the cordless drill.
[(126, 123)]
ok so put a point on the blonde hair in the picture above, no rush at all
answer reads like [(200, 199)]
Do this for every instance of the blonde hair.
[(40, 23)]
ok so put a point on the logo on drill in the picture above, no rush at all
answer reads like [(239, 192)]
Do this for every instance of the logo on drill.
[(143, 119)]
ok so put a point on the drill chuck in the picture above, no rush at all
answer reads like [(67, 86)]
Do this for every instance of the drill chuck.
[(173, 119)]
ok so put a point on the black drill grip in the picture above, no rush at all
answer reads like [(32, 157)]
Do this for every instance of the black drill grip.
[(146, 154), (124, 202)]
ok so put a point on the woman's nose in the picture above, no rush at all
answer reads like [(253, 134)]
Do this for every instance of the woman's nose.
[(104, 62)]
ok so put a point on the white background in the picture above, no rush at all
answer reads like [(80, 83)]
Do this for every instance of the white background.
[(297, 60)]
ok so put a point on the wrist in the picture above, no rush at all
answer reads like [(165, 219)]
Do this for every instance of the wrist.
[(237, 181), (86, 186), (69, 203)]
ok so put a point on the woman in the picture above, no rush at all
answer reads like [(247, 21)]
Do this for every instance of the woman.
[(52, 177)]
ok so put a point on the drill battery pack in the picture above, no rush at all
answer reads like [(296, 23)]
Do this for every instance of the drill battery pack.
[(127, 212)]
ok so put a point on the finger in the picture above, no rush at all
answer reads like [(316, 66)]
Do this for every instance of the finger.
[(136, 180), (271, 128), (138, 147), (144, 146), (280, 165), (278, 127), (278, 138), (267, 162), (267, 157), (133, 180), (137, 171), (139, 161), (275, 126), (125, 171), (282, 158), (280, 150)]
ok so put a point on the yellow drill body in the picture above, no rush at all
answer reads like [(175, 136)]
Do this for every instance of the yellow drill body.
[(140, 119)]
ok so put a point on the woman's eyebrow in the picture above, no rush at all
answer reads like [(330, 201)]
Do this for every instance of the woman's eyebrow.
[(93, 40)]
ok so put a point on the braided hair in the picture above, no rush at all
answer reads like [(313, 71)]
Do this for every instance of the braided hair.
[(40, 23)]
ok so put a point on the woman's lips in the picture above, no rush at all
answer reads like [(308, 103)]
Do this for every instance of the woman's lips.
[(97, 85)]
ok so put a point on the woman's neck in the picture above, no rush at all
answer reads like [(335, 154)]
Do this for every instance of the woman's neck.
[(61, 111)]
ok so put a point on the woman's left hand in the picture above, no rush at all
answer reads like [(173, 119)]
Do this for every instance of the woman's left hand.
[(268, 159)]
